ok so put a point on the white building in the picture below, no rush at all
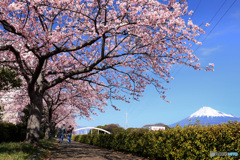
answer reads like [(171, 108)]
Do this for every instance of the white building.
[(156, 128)]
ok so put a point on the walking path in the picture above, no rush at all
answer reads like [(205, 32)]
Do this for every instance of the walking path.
[(76, 150)]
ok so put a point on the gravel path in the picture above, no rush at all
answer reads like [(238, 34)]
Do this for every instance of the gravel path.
[(77, 150)]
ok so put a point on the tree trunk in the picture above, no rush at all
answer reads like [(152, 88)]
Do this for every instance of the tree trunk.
[(34, 121), (48, 131)]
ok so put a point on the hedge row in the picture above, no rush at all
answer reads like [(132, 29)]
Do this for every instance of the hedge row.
[(11, 133), (190, 142)]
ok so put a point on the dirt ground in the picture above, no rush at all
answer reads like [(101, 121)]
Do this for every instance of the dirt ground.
[(81, 151)]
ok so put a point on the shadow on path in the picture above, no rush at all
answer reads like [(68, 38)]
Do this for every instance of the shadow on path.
[(77, 150)]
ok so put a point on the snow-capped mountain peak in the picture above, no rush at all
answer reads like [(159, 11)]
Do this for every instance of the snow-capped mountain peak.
[(209, 112), (207, 116)]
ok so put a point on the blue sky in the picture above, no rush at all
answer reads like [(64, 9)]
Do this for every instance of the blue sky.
[(190, 90)]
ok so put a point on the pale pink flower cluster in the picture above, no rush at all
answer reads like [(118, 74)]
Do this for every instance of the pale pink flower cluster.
[(90, 52), (211, 64), (207, 24), (199, 43), (190, 13), (14, 6)]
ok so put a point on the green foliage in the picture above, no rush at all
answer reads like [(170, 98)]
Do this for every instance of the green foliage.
[(190, 142), (9, 79), (22, 151), (113, 128), (8, 132), (14, 133), (11, 132), (16, 150)]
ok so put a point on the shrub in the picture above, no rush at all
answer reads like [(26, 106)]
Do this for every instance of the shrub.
[(11, 132), (190, 142)]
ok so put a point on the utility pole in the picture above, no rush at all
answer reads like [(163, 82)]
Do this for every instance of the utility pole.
[(126, 121)]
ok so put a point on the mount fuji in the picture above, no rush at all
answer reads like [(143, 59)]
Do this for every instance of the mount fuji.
[(207, 116)]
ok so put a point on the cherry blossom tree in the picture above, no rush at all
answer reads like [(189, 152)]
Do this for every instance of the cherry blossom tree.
[(13, 102), (62, 104), (66, 101), (117, 46)]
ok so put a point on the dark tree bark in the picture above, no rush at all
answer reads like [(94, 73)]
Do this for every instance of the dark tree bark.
[(48, 131), (34, 121)]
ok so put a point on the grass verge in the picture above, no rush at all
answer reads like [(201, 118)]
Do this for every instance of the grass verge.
[(23, 151)]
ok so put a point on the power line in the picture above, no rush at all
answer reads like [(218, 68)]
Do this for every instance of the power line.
[(217, 22), (218, 11), (214, 25), (196, 8), (214, 16)]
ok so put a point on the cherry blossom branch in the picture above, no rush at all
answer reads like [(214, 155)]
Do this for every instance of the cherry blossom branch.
[(18, 59)]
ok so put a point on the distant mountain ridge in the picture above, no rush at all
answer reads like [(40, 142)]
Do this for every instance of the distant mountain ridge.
[(207, 116)]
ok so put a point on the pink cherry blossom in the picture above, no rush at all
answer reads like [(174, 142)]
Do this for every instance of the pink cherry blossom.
[(110, 48), (190, 12), (207, 24)]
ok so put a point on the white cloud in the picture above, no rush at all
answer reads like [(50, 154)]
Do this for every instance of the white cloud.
[(208, 51)]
